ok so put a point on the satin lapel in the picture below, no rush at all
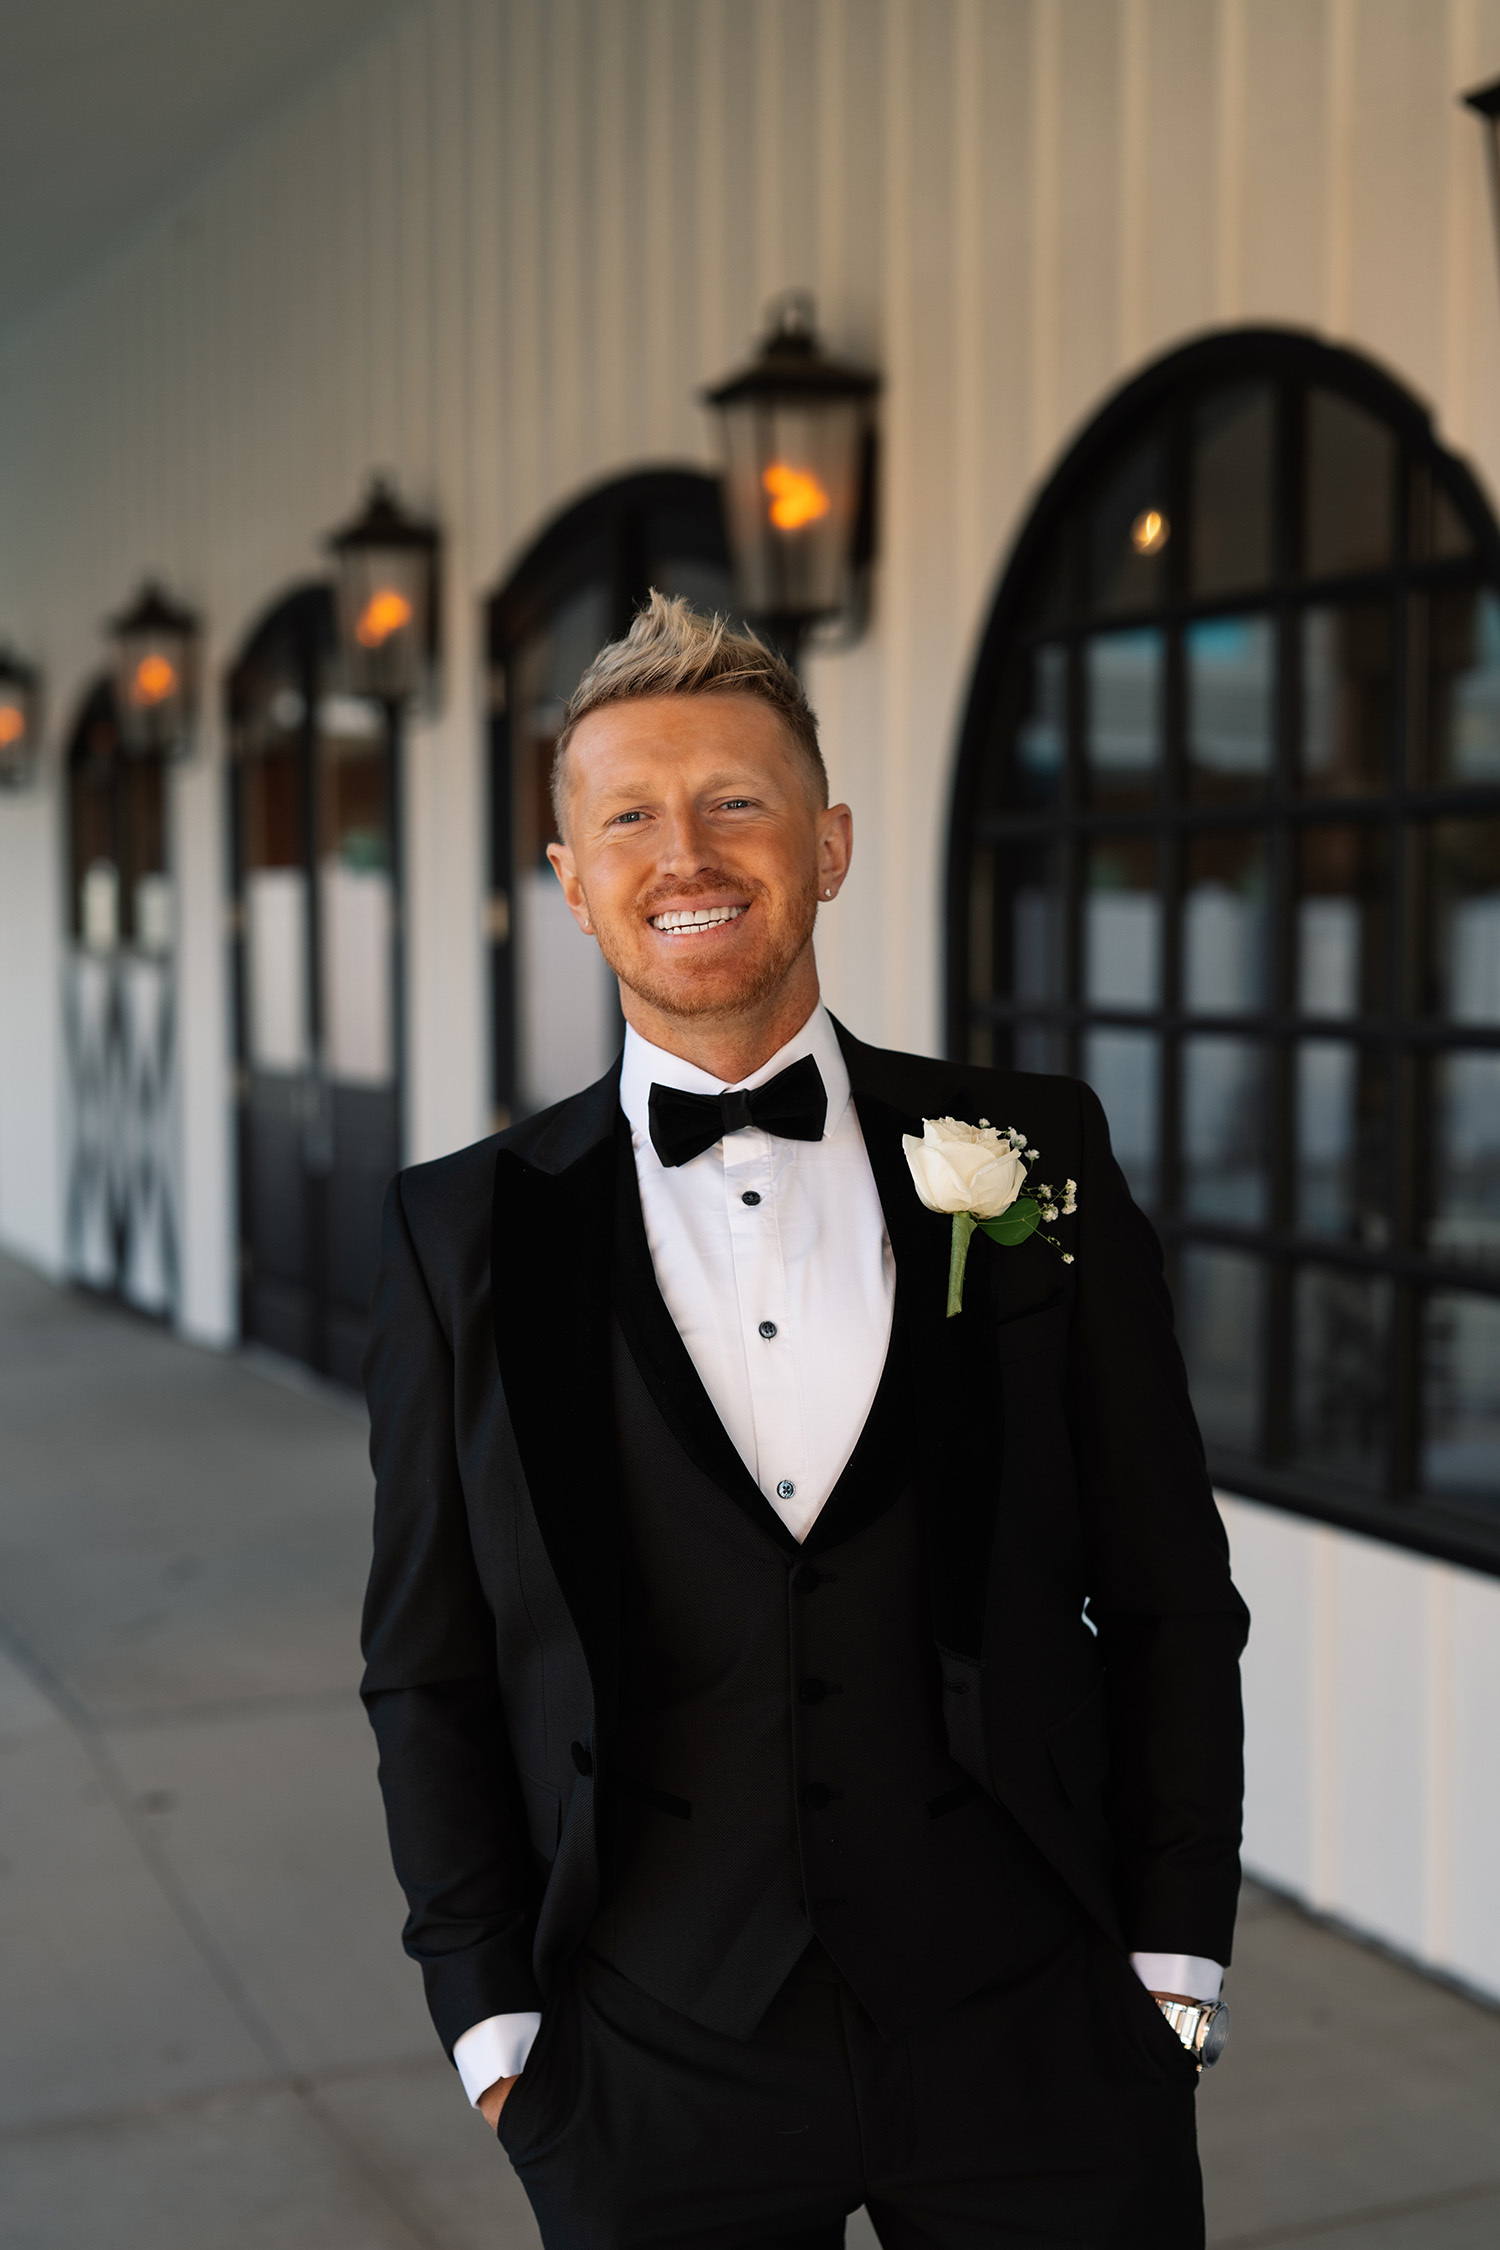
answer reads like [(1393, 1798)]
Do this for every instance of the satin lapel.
[(550, 1291), (955, 1370)]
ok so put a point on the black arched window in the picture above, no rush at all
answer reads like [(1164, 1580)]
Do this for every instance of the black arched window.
[(554, 1008), (1226, 843)]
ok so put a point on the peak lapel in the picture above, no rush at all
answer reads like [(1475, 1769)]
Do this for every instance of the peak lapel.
[(553, 1226)]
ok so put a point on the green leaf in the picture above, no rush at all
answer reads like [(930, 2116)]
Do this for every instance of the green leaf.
[(1014, 1225)]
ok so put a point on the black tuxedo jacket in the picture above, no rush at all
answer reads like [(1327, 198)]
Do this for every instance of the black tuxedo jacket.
[(1059, 1465)]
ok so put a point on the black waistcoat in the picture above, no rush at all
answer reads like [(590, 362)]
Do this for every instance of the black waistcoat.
[(781, 1769)]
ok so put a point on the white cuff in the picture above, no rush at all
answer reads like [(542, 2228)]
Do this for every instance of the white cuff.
[(496, 2048), (1187, 1973)]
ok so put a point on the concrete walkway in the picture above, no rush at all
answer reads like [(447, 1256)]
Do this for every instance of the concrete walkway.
[(209, 2036)]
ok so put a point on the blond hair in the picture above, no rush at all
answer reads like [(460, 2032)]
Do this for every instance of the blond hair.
[(671, 649)]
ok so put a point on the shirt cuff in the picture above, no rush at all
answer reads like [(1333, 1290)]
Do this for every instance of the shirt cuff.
[(496, 2048), (1188, 1973)]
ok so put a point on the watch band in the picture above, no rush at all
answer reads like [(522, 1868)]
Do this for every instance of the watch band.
[(1201, 2025)]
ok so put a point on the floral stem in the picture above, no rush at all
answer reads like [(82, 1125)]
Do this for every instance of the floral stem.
[(964, 1223)]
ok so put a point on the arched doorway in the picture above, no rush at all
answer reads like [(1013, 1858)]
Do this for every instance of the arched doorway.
[(1226, 842), (554, 1008), (119, 1015), (317, 985)]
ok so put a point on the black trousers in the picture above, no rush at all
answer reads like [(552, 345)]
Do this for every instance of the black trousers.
[(1054, 2110)]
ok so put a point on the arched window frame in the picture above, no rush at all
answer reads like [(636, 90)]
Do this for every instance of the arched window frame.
[(1407, 1031)]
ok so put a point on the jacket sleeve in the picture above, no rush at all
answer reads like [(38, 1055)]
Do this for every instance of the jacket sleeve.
[(453, 1810), (1171, 1625)]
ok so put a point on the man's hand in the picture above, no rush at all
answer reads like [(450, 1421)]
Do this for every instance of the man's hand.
[(492, 2100)]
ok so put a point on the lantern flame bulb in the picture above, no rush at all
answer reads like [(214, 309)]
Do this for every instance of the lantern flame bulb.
[(796, 496), (12, 725), (1150, 532), (153, 681), (383, 614)]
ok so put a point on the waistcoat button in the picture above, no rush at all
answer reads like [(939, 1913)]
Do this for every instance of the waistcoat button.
[(816, 1795), (813, 1691)]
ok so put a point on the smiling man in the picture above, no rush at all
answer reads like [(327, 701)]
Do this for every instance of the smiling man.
[(809, 1722)]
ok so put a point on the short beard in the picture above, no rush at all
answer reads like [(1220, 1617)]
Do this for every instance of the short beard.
[(763, 978)]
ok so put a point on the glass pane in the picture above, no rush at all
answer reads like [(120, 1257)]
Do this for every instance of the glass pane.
[(1230, 666), (1438, 531), (1464, 895), (1224, 923), (1221, 1318), (356, 900), (708, 586), (1225, 1172), (275, 903), (1340, 1147), (1351, 460), (1124, 718), (1342, 899), (1130, 533), (1346, 701), (1232, 441), (1461, 1438), (1042, 729), (1341, 1384), (1038, 1046), (1465, 1185), (1122, 924), (1015, 923), (1464, 712), (1124, 1071)]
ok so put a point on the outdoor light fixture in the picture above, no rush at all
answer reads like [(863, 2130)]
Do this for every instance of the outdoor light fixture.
[(1485, 102), (799, 442), (20, 721), (388, 586), (156, 647)]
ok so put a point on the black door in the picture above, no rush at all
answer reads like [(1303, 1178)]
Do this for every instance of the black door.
[(555, 1008), (316, 915)]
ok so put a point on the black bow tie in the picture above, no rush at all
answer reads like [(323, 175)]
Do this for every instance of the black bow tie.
[(793, 1104)]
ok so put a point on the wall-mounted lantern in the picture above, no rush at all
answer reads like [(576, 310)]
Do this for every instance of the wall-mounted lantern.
[(20, 721), (799, 439), (156, 664), (1485, 102), (388, 600)]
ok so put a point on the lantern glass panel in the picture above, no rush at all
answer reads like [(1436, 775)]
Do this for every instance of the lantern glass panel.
[(152, 691), (383, 619), (793, 494), (17, 732)]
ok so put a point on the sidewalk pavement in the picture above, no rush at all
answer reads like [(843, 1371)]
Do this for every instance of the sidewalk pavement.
[(209, 2036)]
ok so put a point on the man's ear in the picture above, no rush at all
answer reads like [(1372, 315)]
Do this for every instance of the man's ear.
[(835, 849), (567, 875)]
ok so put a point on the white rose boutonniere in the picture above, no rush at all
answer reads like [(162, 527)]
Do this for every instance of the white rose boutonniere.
[(976, 1174)]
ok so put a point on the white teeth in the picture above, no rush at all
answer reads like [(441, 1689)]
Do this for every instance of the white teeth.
[(696, 918)]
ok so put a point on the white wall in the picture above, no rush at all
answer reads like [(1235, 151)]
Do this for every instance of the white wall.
[(1372, 1718)]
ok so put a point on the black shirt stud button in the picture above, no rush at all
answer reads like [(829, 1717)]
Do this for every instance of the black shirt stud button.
[(749, 1196), (785, 1489), (768, 1329), (582, 1759)]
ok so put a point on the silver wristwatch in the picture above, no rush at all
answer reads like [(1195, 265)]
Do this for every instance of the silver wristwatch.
[(1201, 2025)]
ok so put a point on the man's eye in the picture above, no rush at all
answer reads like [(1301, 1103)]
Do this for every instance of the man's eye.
[(734, 804), (621, 818)]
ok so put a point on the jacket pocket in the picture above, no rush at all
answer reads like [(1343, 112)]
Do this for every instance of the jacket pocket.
[(1079, 1749), (1032, 1335), (543, 1816)]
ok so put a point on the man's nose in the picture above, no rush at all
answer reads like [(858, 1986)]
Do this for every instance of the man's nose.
[(687, 844)]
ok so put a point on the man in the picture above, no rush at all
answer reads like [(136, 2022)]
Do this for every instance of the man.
[(808, 1722)]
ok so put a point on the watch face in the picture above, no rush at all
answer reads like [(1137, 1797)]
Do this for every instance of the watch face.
[(1216, 2038)]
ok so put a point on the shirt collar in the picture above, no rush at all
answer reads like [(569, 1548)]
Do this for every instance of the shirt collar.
[(643, 1066)]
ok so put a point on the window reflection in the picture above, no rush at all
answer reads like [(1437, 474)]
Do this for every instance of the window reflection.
[(1221, 1319), (1016, 924), (1122, 924), (1341, 1384), (1350, 470), (1230, 668), (1342, 895), (1224, 923), (1346, 701), (1340, 1141), (1125, 712), (1232, 487), (1224, 1139), (1123, 1068), (1464, 715), (1461, 1440), (1464, 938), (1131, 532), (1465, 1185)]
